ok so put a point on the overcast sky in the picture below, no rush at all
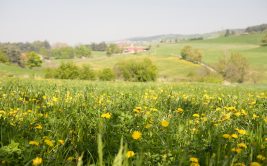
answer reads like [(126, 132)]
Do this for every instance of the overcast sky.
[(84, 21)]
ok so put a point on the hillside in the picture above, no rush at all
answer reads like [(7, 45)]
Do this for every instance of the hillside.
[(165, 57)]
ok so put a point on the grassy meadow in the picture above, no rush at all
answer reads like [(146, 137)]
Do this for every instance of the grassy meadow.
[(167, 122), (61, 122)]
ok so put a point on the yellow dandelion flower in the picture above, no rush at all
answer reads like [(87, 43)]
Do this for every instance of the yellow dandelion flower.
[(261, 157), (136, 135), (179, 110), (164, 123), (70, 158), (242, 132), (194, 164), (255, 164), (234, 136), (48, 142), (54, 99), (38, 126), (254, 116), (193, 159), (226, 136), (130, 154), (61, 141), (237, 150), (34, 143), (242, 145), (196, 115), (106, 115), (37, 161), (137, 109)]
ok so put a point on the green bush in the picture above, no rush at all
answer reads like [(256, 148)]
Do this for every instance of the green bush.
[(136, 70), (3, 57), (87, 73), (71, 71), (106, 74), (67, 71)]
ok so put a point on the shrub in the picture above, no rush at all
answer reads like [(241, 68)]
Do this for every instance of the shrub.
[(264, 40), (106, 74), (190, 54), (67, 71), (233, 68), (87, 73), (3, 57), (136, 70)]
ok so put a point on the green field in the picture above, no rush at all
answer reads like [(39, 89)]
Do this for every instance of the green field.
[(165, 57), (61, 122)]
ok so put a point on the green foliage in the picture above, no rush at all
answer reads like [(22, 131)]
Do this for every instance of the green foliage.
[(82, 51), (71, 71), (264, 40), (99, 46), (113, 49), (33, 60), (11, 153), (69, 114), (67, 71), (3, 57), (137, 71), (190, 54), (233, 68), (87, 73), (257, 28), (227, 33), (106, 74), (63, 53)]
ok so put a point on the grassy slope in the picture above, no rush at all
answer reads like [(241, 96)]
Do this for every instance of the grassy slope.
[(213, 49), (170, 68), (165, 56), (14, 70)]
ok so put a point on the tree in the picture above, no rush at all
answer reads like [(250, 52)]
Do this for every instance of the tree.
[(106, 75), (87, 73), (65, 52), (190, 54), (264, 40), (227, 33), (233, 68), (3, 57), (82, 51), (136, 70), (113, 49), (67, 71), (33, 60)]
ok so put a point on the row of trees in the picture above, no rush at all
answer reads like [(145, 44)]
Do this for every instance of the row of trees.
[(12, 52), (133, 70)]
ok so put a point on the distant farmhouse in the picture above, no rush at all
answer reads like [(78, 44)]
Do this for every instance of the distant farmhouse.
[(132, 48)]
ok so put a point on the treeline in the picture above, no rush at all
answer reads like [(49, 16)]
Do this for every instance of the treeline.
[(133, 70), (257, 28), (13, 52)]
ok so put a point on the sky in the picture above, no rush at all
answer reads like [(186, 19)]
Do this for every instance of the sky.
[(85, 21)]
